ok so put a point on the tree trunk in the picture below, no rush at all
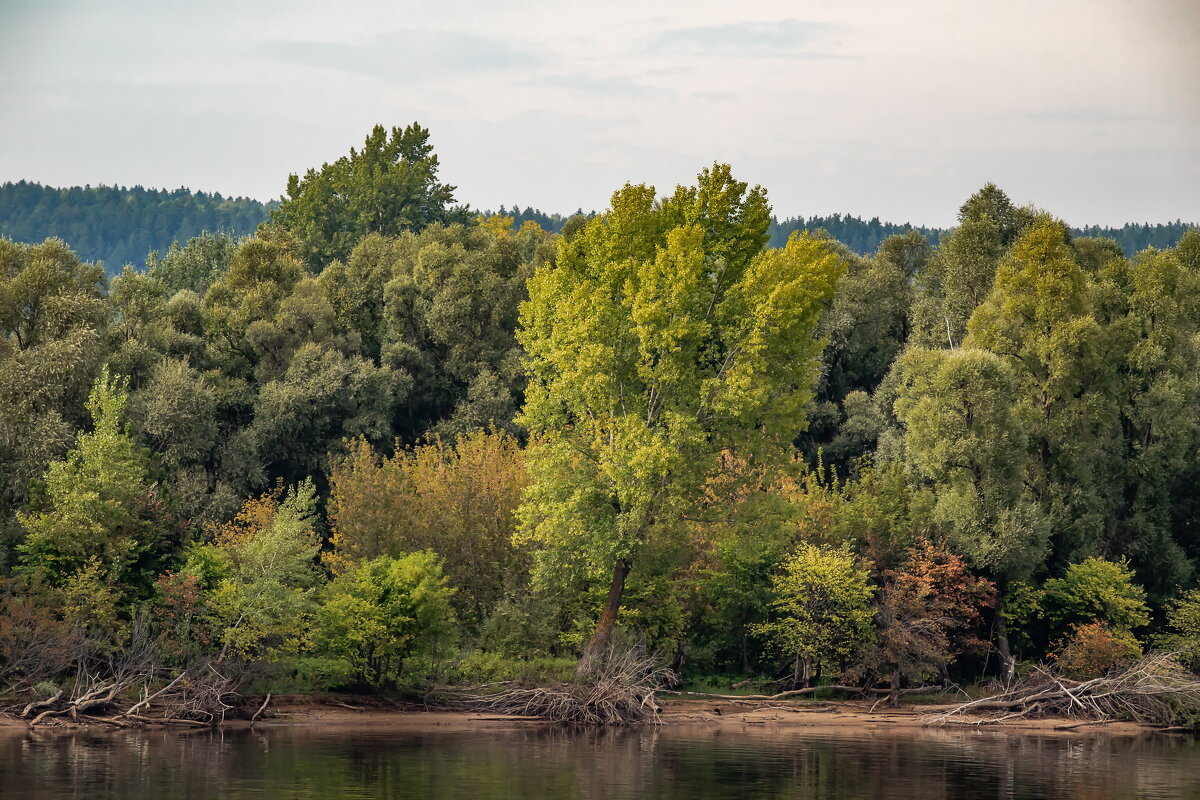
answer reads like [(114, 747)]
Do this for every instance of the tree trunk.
[(597, 647), (806, 675), (1008, 665), (896, 688)]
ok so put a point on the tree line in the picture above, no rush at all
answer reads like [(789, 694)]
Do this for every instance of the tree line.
[(385, 441), (116, 225)]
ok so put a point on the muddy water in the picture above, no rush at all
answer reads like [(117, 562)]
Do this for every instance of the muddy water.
[(675, 762)]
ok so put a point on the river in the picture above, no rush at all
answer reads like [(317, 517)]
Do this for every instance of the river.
[(309, 762)]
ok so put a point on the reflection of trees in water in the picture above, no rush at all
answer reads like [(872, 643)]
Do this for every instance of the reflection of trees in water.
[(591, 764)]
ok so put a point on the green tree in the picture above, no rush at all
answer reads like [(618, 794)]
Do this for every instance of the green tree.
[(822, 606), (52, 322), (1183, 628), (98, 504), (1096, 590), (664, 336), (1038, 319), (964, 435), (384, 611), (196, 265), (388, 187), (261, 573), (959, 276)]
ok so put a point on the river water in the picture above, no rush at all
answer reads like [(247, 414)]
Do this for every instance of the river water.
[(686, 762)]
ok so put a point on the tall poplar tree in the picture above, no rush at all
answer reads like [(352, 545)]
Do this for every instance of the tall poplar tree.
[(665, 335)]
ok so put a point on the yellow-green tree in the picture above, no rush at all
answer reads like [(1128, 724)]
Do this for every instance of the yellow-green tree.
[(823, 608), (99, 504), (665, 335), (384, 611)]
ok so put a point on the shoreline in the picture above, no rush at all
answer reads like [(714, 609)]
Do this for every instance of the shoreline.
[(842, 717)]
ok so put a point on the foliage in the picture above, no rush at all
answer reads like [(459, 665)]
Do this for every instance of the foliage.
[(52, 323), (663, 336), (1183, 629), (261, 569), (822, 606), (1096, 648), (965, 435), (383, 611), (698, 407), (927, 609), (458, 500), (1096, 590), (118, 225), (99, 511), (387, 187)]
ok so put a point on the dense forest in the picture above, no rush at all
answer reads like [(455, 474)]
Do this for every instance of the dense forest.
[(384, 443)]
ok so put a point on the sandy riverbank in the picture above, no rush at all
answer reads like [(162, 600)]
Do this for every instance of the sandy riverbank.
[(825, 718)]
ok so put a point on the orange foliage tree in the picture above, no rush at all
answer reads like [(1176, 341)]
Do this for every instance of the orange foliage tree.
[(926, 612), (457, 500)]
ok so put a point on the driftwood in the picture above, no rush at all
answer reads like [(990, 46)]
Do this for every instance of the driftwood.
[(622, 692), (39, 704), (199, 697), (1156, 690), (261, 709)]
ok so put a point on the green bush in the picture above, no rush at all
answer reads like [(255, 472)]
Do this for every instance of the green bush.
[(383, 612)]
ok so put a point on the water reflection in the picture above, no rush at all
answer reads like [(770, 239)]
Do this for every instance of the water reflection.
[(347, 764)]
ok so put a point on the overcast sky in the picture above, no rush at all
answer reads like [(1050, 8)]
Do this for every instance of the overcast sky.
[(1088, 108)]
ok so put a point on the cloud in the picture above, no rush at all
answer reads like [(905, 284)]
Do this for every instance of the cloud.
[(613, 86), (789, 38), (408, 55), (1087, 116)]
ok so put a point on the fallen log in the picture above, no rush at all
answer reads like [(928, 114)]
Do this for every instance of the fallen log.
[(37, 704)]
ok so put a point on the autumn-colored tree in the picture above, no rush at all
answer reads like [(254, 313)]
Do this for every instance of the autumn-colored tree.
[(1095, 648), (457, 500), (927, 609)]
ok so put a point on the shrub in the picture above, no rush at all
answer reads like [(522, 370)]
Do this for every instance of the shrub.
[(384, 611), (1183, 626), (1095, 589), (1095, 648)]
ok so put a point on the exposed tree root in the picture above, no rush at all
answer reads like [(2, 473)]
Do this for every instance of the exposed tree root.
[(1155, 691), (621, 692)]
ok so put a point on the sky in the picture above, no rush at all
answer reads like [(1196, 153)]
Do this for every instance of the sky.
[(1089, 109)]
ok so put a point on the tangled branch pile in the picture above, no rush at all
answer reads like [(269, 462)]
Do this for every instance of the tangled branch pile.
[(622, 693), (1156, 690), (200, 698)]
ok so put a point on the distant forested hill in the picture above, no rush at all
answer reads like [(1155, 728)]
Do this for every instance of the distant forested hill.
[(864, 236), (861, 236), (119, 225)]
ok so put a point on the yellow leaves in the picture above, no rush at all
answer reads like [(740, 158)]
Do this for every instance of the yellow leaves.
[(500, 226), (458, 500), (255, 515)]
